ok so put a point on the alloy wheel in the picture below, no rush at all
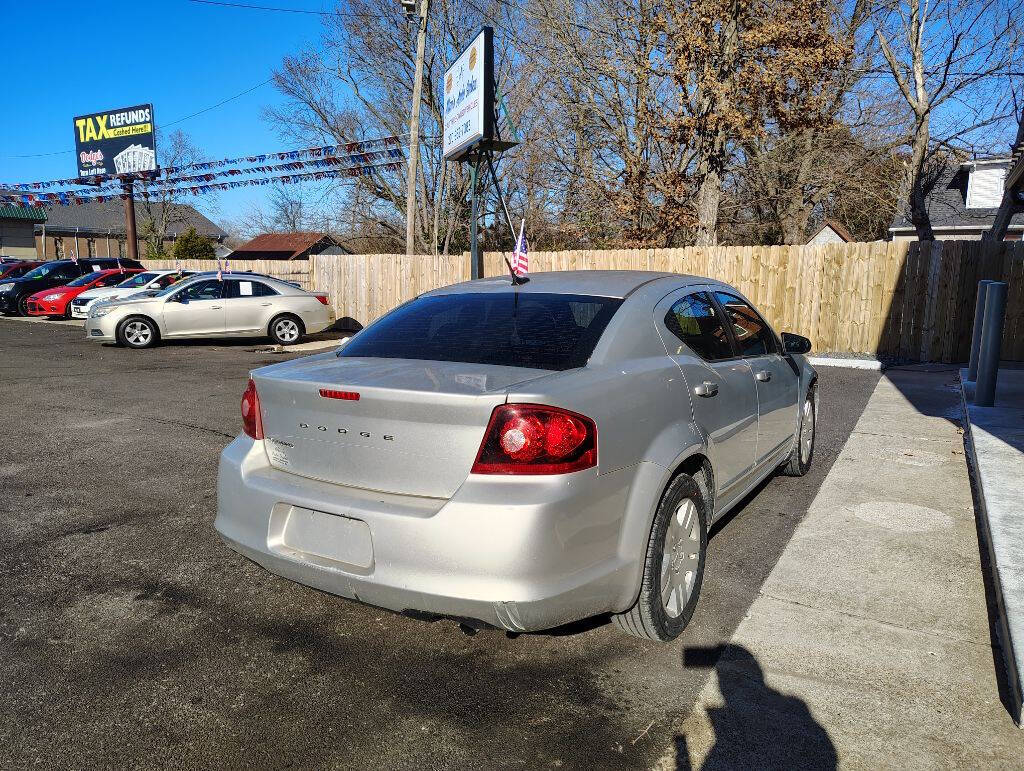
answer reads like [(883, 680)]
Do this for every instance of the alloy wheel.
[(807, 431), (286, 330), (137, 333), (681, 558)]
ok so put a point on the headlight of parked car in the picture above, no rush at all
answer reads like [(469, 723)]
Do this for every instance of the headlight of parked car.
[(99, 311), (51, 297), (6, 287)]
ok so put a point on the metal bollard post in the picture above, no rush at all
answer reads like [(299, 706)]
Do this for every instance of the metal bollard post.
[(991, 343), (979, 319)]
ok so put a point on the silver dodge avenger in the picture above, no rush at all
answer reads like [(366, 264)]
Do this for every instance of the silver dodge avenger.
[(521, 456)]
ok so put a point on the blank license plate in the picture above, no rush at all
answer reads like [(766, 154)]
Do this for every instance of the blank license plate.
[(329, 536)]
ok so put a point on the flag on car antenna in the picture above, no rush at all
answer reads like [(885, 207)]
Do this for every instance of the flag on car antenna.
[(521, 257)]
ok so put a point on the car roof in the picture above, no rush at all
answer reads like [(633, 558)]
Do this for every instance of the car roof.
[(601, 283)]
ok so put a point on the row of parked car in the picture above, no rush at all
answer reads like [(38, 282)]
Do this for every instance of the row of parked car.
[(123, 302)]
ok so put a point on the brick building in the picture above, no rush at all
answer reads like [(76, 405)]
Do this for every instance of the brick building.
[(96, 229)]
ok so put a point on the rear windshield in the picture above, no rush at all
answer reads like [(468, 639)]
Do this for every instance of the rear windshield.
[(539, 331)]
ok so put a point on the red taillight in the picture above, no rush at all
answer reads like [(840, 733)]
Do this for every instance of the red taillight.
[(324, 299), (536, 439), (252, 421)]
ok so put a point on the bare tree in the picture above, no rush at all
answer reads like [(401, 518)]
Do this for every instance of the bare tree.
[(953, 62), (160, 211)]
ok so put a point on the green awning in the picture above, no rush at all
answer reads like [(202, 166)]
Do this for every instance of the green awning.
[(31, 213)]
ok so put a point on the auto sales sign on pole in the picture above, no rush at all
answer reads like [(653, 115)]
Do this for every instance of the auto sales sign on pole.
[(469, 98), (116, 141)]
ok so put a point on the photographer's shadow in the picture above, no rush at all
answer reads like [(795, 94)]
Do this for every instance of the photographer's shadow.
[(758, 727)]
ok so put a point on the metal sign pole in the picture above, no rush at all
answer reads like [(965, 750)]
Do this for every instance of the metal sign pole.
[(129, 219), (476, 263)]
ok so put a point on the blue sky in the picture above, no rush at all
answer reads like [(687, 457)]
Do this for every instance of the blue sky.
[(178, 55)]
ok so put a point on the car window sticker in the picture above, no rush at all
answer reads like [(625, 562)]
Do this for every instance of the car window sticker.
[(245, 288)]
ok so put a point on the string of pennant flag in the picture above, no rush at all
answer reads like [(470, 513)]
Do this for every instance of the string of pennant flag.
[(362, 147), (360, 159), (72, 199)]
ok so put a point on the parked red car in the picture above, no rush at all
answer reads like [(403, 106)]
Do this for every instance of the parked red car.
[(56, 301), (17, 268)]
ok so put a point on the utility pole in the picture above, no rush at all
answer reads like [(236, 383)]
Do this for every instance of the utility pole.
[(129, 220), (414, 127)]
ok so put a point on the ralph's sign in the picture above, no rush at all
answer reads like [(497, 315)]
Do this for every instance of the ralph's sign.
[(116, 141)]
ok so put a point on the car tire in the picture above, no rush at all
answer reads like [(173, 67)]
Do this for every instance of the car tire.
[(800, 458), (137, 332), (23, 306), (673, 572), (286, 329)]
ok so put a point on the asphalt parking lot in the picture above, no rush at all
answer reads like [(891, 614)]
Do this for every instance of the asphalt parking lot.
[(129, 635)]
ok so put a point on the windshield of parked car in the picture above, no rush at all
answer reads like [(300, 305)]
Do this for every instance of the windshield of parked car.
[(526, 329), (83, 280), (168, 289), (44, 270), (139, 279)]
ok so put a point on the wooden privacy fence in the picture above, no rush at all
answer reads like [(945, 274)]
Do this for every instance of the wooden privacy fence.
[(902, 300), (289, 270)]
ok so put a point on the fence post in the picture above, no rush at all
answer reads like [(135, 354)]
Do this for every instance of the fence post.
[(991, 343), (979, 320)]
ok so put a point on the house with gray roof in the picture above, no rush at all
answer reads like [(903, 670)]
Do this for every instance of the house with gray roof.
[(96, 228), (963, 202), (17, 225)]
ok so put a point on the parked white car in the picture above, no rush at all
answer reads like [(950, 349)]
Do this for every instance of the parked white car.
[(137, 284), (209, 305)]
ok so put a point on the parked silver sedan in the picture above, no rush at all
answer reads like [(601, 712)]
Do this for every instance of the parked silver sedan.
[(521, 457), (208, 305)]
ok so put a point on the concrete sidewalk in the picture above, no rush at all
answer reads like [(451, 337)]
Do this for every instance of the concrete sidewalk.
[(869, 645), (995, 443)]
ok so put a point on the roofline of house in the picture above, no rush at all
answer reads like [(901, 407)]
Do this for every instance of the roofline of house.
[(1016, 175), (73, 229), (964, 228)]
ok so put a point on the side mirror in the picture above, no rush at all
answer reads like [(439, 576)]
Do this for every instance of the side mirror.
[(795, 343)]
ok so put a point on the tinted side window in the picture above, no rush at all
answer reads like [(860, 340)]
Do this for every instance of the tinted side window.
[(753, 336), (246, 288), (262, 290), (112, 279), (695, 321), (201, 290)]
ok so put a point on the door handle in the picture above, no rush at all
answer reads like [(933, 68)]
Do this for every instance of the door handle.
[(216, 307), (764, 376), (266, 305), (707, 388)]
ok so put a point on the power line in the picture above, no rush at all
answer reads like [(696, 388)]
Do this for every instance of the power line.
[(249, 7), (219, 104), (163, 125)]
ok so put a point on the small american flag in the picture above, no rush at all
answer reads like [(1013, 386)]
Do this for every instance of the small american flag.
[(521, 257), (220, 276)]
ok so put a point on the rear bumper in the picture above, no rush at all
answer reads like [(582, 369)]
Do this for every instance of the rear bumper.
[(517, 553)]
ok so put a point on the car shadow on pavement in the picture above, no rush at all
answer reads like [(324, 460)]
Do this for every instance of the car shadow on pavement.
[(758, 726)]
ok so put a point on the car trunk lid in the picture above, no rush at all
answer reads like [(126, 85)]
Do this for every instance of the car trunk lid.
[(415, 428)]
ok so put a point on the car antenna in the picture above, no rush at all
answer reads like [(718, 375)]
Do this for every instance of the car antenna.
[(517, 280)]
